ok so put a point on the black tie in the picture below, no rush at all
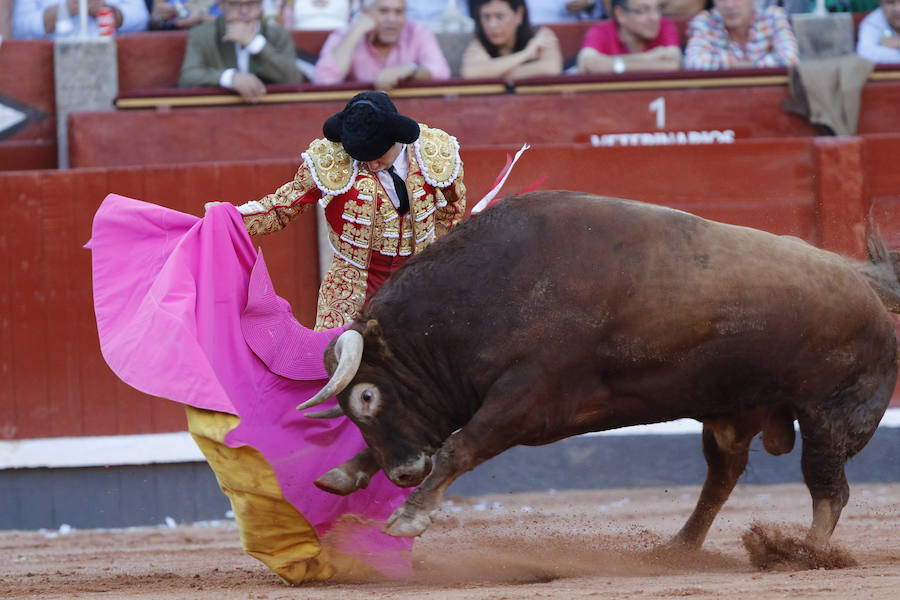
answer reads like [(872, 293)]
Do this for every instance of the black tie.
[(400, 187)]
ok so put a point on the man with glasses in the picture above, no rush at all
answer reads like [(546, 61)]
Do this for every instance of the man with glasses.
[(879, 33), (239, 51), (735, 34), (637, 38)]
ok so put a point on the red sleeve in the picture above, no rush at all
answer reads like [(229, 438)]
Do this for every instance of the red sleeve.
[(597, 37), (668, 33)]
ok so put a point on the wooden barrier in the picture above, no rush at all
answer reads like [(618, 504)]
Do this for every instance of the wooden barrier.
[(54, 381), (56, 384), (243, 132)]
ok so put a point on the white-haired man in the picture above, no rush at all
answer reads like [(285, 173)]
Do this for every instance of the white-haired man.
[(383, 47)]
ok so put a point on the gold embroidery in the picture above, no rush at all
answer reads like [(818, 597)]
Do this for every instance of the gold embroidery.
[(357, 255), (438, 156), (341, 295), (331, 165)]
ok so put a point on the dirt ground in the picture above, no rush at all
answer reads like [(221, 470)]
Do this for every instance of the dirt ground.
[(566, 544)]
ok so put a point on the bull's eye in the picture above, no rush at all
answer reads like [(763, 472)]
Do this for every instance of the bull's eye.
[(365, 400)]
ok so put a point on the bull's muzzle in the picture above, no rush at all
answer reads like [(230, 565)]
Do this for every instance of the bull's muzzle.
[(410, 473)]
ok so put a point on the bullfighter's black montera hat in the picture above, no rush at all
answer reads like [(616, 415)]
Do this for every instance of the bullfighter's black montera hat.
[(369, 125)]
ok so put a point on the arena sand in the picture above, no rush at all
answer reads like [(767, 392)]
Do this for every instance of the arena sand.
[(565, 544)]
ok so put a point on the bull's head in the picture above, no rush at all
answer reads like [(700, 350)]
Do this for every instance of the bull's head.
[(369, 396)]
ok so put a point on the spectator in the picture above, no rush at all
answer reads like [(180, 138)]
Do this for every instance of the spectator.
[(176, 14), (879, 34), (637, 38), (559, 11), (317, 15), (6, 7), (239, 51), (383, 47), (507, 45), (736, 35), (38, 18)]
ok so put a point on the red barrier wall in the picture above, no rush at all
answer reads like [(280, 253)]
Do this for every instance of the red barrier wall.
[(183, 135), (55, 383)]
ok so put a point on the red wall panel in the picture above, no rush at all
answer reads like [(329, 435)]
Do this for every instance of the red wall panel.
[(54, 381)]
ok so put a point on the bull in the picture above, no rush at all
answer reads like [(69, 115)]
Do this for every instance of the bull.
[(555, 314)]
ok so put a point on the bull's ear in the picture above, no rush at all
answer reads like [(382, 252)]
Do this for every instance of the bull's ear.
[(372, 330), (374, 339)]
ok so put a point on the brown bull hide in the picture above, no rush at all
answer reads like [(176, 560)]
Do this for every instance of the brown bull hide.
[(555, 314)]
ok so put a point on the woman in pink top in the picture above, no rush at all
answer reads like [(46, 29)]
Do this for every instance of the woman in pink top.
[(638, 38), (382, 47)]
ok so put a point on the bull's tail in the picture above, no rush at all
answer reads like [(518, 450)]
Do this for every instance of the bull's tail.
[(882, 270)]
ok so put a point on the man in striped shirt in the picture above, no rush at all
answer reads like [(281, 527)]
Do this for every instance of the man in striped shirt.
[(737, 35)]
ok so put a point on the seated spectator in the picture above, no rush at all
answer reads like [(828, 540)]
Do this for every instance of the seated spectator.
[(383, 47), (178, 14), (561, 11), (239, 51), (736, 35), (316, 15), (507, 45), (637, 38), (879, 34), (5, 19), (38, 18)]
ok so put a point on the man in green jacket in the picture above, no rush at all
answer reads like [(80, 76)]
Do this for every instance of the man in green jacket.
[(240, 52)]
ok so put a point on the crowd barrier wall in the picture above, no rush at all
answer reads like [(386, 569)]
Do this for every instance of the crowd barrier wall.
[(538, 113), (54, 381)]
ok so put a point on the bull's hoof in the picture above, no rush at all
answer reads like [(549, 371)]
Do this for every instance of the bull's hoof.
[(341, 483), (682, 541), (406, 523)]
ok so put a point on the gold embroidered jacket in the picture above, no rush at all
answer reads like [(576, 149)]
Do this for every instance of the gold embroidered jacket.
[(361, 217)]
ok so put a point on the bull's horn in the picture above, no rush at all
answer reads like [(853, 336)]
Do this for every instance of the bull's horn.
[(328, 413), (348, 352)]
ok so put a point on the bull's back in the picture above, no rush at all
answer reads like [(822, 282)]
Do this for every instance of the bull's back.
[(662, 304)]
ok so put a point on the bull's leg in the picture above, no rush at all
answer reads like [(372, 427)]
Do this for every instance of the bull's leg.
[(726, 447), (479, 440), (449, 462), (353, 475), (822, 463), (834, 434)]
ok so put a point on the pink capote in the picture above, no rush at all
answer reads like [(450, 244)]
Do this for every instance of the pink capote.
[(186, 310)]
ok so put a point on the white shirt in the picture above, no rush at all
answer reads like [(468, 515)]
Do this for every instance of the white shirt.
[(401, 167), (872, 30), (28, 18), (243, 54)]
